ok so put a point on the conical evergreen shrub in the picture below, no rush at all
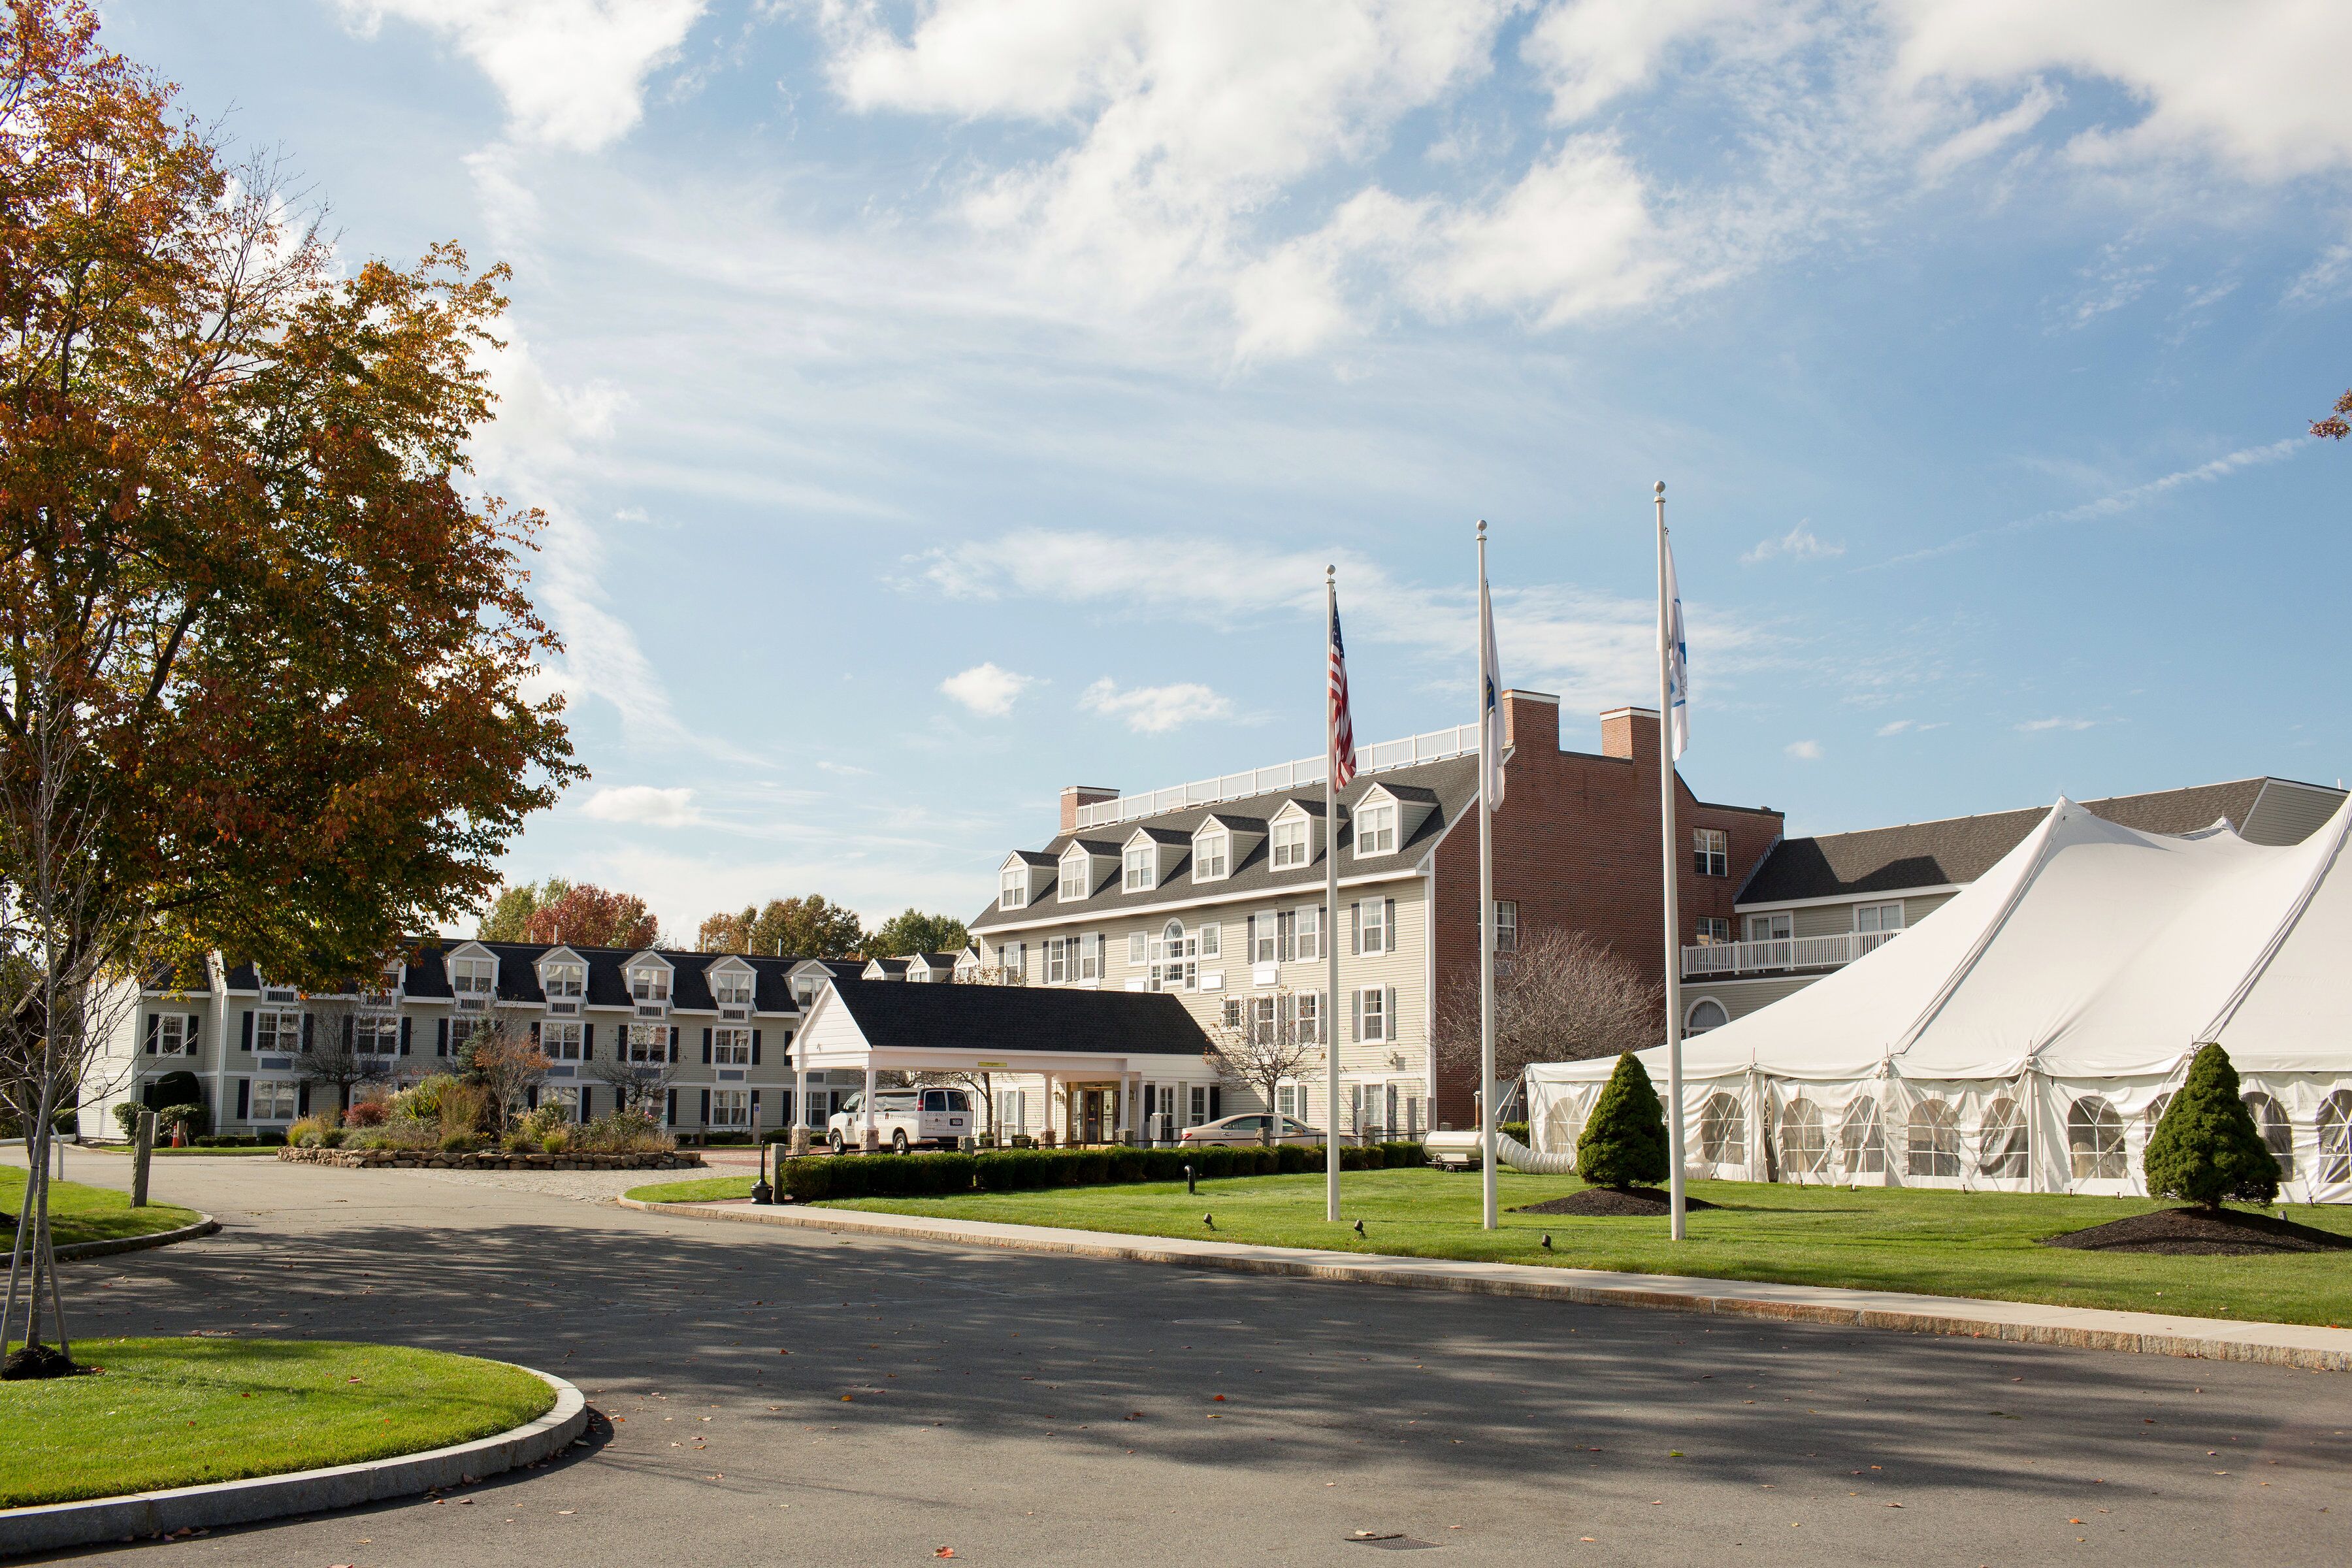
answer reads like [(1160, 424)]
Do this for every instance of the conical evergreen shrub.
[(1624, 1140), (2207, 1147)]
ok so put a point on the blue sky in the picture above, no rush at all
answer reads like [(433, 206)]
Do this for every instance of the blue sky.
[(941, 404)]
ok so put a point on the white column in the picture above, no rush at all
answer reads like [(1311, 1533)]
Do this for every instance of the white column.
[(1130, 1115), (799, 1139), (868, 1139), (1053, 1086)]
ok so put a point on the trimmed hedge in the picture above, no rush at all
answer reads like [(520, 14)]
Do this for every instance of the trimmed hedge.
[(819, 1177)]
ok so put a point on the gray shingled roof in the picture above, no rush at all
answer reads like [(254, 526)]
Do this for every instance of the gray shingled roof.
[(1958, 849), (1452, 784)]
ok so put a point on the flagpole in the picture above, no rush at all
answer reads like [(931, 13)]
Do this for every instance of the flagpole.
[(1672, 890), (1329, 1014), (1489, 1211)]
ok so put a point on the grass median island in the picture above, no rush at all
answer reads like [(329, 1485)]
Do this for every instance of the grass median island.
[(1984, 1245), (79, 1214), (709, 1189), (178, 1413)]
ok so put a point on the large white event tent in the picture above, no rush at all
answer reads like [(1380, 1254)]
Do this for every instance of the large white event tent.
[(2026, 1037)]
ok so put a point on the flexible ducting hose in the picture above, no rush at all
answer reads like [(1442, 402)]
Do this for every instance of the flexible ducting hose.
[(1519, 1157)]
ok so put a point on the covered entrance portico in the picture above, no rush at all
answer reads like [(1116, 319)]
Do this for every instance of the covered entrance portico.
[(1094, 1051)]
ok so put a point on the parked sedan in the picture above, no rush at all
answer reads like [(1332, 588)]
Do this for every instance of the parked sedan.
[(1233, 1130)]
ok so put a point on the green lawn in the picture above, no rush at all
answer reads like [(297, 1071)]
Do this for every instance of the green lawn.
[(708, 1190), (177, 1413), (77, 1213), (1941, 1243)]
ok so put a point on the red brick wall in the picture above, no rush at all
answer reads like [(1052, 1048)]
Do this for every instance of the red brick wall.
[(1576, 844)]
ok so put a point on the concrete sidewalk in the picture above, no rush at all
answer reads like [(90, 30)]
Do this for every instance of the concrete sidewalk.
[(2079, 1328)]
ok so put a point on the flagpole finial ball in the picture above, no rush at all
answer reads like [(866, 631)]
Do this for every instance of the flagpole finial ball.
[(1661, 487), (1482, 525)]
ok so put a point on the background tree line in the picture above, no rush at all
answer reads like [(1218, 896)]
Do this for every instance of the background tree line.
[(813, 927)]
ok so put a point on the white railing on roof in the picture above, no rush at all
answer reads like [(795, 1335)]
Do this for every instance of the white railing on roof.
[(1782, 954), (1433, 747)]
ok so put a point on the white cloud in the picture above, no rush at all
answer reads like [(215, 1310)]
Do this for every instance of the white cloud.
[(1804, 750), (1799, 542), (2036, 726), (572, 72), (644, 805), (1155, 710), (1591, 51), (1986, 137), (1907, 727), (986, 689)]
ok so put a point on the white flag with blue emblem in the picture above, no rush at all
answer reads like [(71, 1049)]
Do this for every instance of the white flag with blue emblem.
[(1672, 638), (1490, 712)]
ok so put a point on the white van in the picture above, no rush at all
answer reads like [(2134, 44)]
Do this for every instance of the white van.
[(903, 1119)]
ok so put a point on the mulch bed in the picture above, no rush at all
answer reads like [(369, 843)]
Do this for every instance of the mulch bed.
[(1608, 1202), (2190, 1232)]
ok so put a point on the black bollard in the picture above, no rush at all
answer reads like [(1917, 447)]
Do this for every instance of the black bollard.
[(762, 1193), (1189, 1188)]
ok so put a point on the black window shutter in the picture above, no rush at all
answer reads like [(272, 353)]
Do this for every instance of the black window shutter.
[(403, 1035), (531, 1096), (248, 1030), (1388, 927), (1148, 1090), (584, 1103), (302, 1100), (308, 1029), (441, 1037), (755, 1047), (534, 1035), (673, 1042), (669, 1109), (1356, 926), (193, 1020), (348, 1022), (154, 1020), (706, 1107), (1216, 1101), (587, 1052), (244, 1098), (755, 1108), (706, 1048)]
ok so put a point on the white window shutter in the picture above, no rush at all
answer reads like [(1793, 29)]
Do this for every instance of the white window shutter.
[(1388, 1015), (1355, 928), (1355, 1017), (1388, 927)]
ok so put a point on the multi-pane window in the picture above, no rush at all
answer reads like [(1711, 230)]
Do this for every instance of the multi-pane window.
[(1074, 875), (1373, 1014), (1211, 937), (1232, 1014), (1711, 851), (171, 1034), (1289, 842), (1375, 829), (1714, 930), (564, 982), (1211, 853), (1090, 956), (1059, 958), (1875, 924), (1138, 948), (1012, 958), (731, 1108), (274, 1031), (1306, 1017), (272, 1100), (1372, 926), (1264, 1019), (649, 982), (1770, 927), (1286, 935), (1507, 925), (1265, 940), (732, 989), (1141, 863), (473, 976), (648, 1042), (376, 1036), (563, 1097), (1310, 933), (560, 1042), (1013, 889), (1199, 1104), (731, 1048)]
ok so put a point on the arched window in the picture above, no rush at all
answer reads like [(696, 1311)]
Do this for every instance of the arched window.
[(2335, 1138), (1935, 1142), (1722, 1132), (1863, 1149), (1172, 932), (1804, 1146), (2278, 1132), (2000, 1146), (1705, 1014), (1563, 1126), (2094, 1141)]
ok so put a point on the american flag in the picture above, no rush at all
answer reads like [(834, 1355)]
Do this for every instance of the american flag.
[(1343, 729)]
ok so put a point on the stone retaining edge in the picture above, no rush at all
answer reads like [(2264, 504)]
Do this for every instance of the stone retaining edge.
[(49, 1527), (1422, 1277), (206, 1224)]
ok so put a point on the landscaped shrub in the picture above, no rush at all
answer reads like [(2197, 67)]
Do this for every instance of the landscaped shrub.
[(126, 1116), (1515, 1130), (622, 1132), (1624, 1140), (455, 1142), (1293, 1158), (368, 1113), (1404, 1155), (810, 1179), (194, 1117), (422, 1100), (2205, 1147), (717, 1138)]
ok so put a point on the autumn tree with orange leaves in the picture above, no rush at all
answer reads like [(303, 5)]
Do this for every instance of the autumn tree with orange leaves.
[(263, 645)]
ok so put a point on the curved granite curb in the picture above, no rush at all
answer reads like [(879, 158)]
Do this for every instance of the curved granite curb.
[(52, 1526), (2294, 1345), (206, 1224)]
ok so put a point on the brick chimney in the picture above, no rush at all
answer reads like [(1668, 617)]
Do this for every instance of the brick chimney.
[(1630, 733), (1077, 796), (1531, 720)]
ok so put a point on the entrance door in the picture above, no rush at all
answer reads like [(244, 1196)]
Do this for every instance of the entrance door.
[(1094, 1114)]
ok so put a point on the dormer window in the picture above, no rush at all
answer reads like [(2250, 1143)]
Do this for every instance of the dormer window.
[(1289, 843), (1376, 828), (1074, 875), (732, 990), (1012, 889), (649, 982), (1212, 855), (1140, 869), (473, 976), (564, 982)]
